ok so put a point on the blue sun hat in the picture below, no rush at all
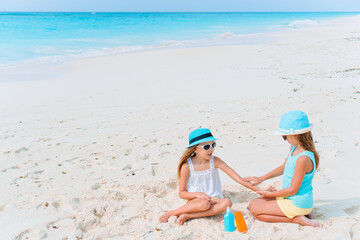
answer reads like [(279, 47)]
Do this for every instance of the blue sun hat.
[(294, 122), (200, 135)]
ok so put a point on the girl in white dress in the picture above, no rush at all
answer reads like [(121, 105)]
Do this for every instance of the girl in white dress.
[(199, 182)]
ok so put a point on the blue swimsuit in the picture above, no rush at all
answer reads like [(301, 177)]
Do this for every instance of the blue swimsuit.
[(304, 197)]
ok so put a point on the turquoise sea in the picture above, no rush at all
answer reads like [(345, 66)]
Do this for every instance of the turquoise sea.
[(55, 36)]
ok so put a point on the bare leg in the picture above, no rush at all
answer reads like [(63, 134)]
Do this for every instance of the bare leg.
[(194, 205), (217, 206), (268, 210)]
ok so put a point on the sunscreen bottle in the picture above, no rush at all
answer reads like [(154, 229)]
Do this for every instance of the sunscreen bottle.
[(229, 224), (240, 222)]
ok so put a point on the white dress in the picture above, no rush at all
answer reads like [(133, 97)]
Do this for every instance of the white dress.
[(207, 181)]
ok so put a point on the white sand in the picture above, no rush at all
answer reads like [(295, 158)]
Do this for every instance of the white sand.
[(79, 139)]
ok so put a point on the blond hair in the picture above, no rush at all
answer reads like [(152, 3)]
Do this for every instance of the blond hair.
[(188, 153), (306, 142)]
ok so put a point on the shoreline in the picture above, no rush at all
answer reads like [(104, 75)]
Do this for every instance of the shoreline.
[(224, 39)]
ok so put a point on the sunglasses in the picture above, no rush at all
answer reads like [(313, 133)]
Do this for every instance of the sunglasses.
[(208, 146), (284, 137)]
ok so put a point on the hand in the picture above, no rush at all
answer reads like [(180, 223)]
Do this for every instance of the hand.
[(264, 193), (253, 180), (270, 189), (202, 196)]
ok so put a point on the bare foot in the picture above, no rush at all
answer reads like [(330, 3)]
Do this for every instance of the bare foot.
[(310, 215), (304, 221), (164, 218), (183, 218)]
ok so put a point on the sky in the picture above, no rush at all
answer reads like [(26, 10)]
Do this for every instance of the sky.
[(181, 5)]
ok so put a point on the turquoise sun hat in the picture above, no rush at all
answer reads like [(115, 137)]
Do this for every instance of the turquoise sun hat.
[(200, 135), (294, 122)]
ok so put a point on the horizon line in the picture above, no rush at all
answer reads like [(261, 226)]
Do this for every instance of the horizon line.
[(179, 12)]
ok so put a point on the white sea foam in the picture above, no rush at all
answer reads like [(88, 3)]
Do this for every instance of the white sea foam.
[(303, 23), (226, 35), (60, 55), (44, 50)]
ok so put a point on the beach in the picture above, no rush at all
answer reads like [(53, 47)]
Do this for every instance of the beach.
[(90, 146)]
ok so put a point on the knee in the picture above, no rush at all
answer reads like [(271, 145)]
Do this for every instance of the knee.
[(204, 205), (252, 207), (226, 203)]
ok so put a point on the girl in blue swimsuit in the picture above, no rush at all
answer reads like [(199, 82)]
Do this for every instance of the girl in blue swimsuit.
[(294, 202)]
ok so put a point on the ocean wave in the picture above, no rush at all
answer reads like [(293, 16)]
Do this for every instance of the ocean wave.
[(53, 54), (303, 23), (225, 35), (43, 50)]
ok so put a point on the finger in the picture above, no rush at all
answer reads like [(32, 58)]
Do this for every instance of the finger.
[(250, 179), (207, 197), (261, 194), (212, 202)]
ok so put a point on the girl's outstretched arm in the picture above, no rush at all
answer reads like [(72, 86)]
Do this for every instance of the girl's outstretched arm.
[(218, 163), (183, 193), (302, 166), (274, 173)]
